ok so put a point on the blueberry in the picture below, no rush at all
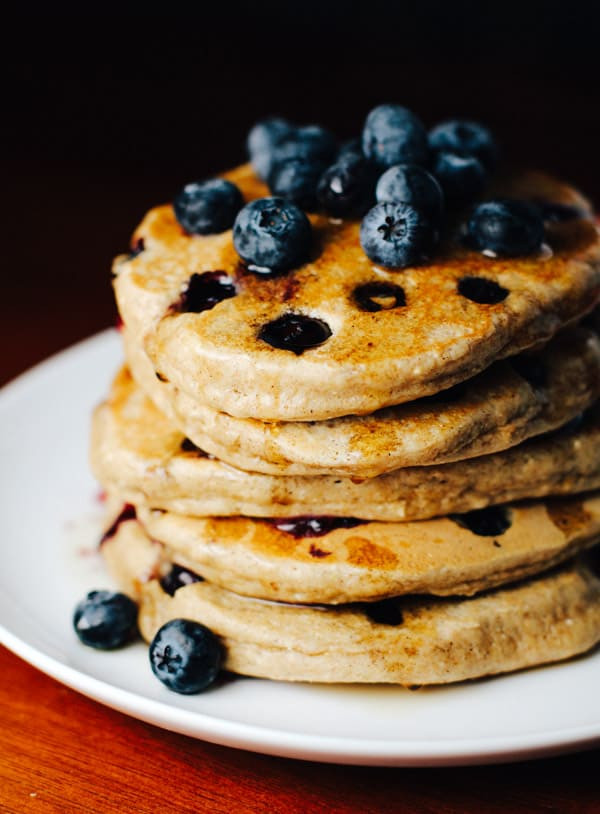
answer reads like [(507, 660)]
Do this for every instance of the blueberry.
[(464, 138), (554, 212), (207, 207), (492, 521), (482, 290), (296, 180), (396, 235), (352, 148), (411, 184), (186, 656), (346, 186), (311, 143), (105, 619), (178, 577), (188, 446), (295, 332), (262, 139), (206, 290), (507, 228), (462, 177), (314, 525), (271, 234), (394, 135), (385, 612), (379, 296)]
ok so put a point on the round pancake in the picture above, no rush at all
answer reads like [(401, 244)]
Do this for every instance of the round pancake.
[(364, 561), (137, 453), (373, 359), (511, 401), (413, 640)]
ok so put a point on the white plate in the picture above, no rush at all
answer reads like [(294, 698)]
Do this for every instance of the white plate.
[(49, 526)]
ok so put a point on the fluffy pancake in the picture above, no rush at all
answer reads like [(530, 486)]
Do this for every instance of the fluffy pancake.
[(137, 453), (372, 359), (413, 640), (511, 401), (343, 560)]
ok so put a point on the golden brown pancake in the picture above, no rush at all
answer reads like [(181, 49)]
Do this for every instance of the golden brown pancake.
[(502, 406), (137, 453), (412, 640), (337, 560), (373, 359)]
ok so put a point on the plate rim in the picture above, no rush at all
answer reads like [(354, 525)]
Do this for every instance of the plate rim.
[(271, 741)]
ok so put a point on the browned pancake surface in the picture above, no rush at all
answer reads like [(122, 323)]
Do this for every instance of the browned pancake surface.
[(408, 640), (372, 359)]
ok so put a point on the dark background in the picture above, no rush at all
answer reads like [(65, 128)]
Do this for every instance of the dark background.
[(109, 113)]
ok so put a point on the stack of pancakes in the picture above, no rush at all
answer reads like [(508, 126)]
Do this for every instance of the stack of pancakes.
[(409, 501)]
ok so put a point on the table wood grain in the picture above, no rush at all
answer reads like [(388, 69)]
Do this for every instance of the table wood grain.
[(61, 752)]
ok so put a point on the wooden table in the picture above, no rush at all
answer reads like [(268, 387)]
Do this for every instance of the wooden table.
[(60, 752)]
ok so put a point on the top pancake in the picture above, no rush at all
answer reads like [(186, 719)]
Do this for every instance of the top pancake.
[(372, 359)]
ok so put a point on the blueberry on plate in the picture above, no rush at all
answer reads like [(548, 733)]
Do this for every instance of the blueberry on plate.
[(465, 137), (296, 180), (207, 207), (397, 235), (462, 177), (347, 186), (105, 620), (272, 235), (394, 135), (411, 184), (186, 656), (507, 228), (262, 140)]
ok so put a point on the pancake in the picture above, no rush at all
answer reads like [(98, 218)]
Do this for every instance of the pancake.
[(409, 641), (137, 453), (373, 359), (511, 401), (337, 560)]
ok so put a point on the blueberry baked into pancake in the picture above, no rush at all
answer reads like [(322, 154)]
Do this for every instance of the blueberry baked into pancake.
[(356, 434)]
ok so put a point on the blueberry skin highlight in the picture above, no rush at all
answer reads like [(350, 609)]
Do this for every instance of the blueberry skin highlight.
[(397, 235), (105, 620), (347, 186), (465, 137), (262, 140), (272, 234), (208, 207), (462, 177), (394, 135), (411, 184), (185, 656), (508, 228)]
